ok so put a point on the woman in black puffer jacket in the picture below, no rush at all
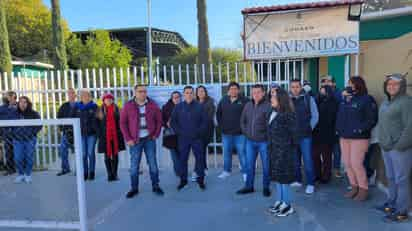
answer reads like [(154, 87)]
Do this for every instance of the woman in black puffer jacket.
[(282, 148)]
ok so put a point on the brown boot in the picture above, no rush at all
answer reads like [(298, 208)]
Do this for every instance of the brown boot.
[(352, 193), (362, 195)]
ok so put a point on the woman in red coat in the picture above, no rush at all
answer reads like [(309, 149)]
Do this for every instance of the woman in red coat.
[(110, 137)]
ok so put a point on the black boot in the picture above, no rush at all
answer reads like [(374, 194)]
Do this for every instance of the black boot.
[(115, 167), (91, 176), (183, 183), (86, 176), (201, 183), (157, 190), (109, 170)]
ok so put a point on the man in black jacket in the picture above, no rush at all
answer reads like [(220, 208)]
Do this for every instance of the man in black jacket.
[(66, 111), (254, 124), (228, 115), (189, 121)]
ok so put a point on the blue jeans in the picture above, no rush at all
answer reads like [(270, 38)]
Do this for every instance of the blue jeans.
[(398, 169), (89, 155), (175, 158), (336, 155), (305, 151), (149, 147), (283, 193), (64, 153), (252, 150), (24, 155), (233, 141)]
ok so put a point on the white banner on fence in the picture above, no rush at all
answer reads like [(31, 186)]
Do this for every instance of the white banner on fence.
[(161, 94), (300, 34)]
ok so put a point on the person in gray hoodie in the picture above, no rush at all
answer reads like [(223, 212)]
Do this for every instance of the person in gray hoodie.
[(394, 134), (253, 123)]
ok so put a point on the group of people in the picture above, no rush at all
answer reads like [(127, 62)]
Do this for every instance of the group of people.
[(19, 142), (284, 128)]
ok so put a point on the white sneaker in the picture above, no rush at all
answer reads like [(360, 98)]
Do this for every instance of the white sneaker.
[(285, 210), (19, 179), (244, 178), (224, 175), (274, 209), (296, 184), (194, 177), (310, 189), (28, 179)]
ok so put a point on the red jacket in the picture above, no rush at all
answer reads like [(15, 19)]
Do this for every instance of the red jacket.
[(130, 120)]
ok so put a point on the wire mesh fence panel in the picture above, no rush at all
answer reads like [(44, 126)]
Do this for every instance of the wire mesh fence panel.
[(31, 197)]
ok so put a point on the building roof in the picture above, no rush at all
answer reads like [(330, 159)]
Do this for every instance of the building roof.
[(386, 14), (155, 31), (299, 6), (32, 63)]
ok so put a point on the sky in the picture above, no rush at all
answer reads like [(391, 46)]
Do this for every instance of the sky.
[(224, 16)]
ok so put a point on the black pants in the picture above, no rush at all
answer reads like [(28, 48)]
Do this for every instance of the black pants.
[(196, 145), (322, 161), (367, 163)]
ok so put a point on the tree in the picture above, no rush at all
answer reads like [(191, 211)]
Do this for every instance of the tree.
[(30, 29), (5, 56), (59, 49), (379, 5), (204, 56), (97, 51)]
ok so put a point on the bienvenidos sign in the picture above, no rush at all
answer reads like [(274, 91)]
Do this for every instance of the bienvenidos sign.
[(300, 34)]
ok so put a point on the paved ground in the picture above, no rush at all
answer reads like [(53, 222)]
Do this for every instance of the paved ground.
[(218, 208)]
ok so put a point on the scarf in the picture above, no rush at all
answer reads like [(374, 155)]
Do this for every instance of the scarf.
[(87, 106), (112, 142)]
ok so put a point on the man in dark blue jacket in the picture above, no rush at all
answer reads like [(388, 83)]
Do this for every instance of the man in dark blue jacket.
[(307, 116), (189, 121)]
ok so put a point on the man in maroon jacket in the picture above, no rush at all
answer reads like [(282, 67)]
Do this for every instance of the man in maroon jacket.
[(141, 122)]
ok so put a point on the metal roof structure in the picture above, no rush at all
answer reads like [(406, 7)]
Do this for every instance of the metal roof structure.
[(299, 6)]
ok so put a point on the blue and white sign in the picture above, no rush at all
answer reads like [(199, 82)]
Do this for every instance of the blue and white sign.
[(161, 94), (300, 34)]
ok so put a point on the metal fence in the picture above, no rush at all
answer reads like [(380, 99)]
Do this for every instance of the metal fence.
[(48, 90)]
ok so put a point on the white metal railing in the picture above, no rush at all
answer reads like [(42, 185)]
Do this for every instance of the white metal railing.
[(48, 90), (81, 193)]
